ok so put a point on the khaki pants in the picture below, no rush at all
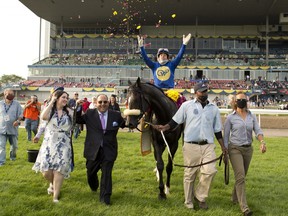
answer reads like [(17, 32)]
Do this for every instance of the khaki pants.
[(194, 154), (240, 158)]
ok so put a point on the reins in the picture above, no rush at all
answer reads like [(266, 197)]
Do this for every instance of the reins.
[(187, 166), (220, 158)]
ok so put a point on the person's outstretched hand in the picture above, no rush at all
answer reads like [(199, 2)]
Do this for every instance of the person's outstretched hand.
[(186, 39), (140, 41), (263, 148)]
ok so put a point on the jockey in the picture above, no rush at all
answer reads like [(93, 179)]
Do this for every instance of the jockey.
[(163, 70)]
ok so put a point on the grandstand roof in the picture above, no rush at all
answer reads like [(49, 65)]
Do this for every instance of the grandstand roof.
[(149, 12)]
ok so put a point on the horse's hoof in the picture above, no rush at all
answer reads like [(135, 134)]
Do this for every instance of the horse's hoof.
[(162, 197)]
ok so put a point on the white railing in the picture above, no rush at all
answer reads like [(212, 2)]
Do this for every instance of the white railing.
[(259, 112)]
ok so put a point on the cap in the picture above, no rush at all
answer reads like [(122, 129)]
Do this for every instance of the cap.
[(200, 87), (56, 88), (163, 50)]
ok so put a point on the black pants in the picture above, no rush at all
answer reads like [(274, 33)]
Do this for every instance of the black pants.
[(93, 166)]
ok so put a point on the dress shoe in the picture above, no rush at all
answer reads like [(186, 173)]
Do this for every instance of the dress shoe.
[(107, 200), (202, 205), (248, 213)]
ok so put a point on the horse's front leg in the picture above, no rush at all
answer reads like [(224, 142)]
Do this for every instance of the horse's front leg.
[(160, 168), (159, 173), (169, 169)]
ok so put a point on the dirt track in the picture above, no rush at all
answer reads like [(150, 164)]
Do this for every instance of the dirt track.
[(272, 122)]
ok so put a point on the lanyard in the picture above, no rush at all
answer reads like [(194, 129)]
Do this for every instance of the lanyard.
[(7, 109)]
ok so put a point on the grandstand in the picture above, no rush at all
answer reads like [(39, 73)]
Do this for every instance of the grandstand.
[(93, 44)]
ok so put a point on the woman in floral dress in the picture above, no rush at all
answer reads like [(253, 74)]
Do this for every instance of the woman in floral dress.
[(55, 155)]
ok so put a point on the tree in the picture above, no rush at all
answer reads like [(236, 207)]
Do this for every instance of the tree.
[(11, 79)]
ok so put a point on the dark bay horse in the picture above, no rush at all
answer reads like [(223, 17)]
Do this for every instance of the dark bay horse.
[(156, 108)]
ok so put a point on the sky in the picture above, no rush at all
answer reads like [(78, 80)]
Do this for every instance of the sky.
[(19, 38)]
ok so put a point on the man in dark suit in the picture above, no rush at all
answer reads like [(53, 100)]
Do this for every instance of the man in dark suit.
[(101, 145)]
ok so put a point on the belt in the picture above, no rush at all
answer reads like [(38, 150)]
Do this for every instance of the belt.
[(245, 146), (202, 142)]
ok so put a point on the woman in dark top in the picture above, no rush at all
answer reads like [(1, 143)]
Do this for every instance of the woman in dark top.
[(113, 105)]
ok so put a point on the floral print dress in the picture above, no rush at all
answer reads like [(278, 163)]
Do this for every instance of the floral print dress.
[(56, 150)]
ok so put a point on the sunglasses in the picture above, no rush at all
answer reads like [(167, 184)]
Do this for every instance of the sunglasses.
[(242, 99), (102, 102)]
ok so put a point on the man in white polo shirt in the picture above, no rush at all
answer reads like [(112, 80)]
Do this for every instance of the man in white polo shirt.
[(202, 122)]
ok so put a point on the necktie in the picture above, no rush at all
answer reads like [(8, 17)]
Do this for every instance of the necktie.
[(102, 121)]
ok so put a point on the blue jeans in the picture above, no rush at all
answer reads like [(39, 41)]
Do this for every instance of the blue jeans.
[(31, 125), (13, 140)]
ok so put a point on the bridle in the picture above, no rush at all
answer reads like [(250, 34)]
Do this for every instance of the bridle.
[(142, 110)]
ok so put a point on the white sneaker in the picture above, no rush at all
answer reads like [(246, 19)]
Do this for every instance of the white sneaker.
[(50, 189), (189, 206)]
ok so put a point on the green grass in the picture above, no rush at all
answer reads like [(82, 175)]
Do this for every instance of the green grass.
[(135, 190)]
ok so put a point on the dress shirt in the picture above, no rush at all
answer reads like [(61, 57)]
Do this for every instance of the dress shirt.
[(239, 130), (105, 117)]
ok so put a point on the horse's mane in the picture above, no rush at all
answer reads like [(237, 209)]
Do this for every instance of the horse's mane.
[(150, 84), (162, 105), (133, 86)]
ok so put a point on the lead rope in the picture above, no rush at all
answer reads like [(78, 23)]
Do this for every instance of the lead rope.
[(179, 165)]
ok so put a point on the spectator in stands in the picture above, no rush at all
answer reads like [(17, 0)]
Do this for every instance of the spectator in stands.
[(163, 70), (113, 105), (11, 114), (238, 138), (32, 110)]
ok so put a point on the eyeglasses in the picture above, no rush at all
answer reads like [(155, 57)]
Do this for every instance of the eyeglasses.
[(102, 102), (241, 99)]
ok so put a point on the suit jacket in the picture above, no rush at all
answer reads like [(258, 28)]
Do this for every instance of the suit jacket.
[(95, 135)]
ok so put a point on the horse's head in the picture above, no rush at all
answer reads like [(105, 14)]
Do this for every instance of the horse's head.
[(137, 104)]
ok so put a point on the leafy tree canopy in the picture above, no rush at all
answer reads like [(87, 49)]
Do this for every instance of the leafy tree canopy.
[(10, 79)]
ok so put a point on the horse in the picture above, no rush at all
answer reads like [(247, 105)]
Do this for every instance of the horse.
[(156, 108)]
